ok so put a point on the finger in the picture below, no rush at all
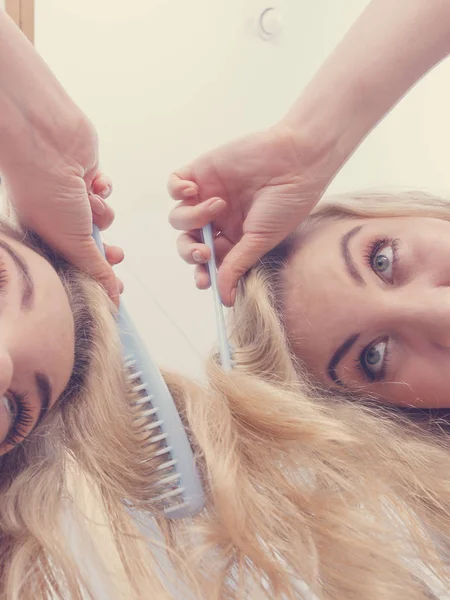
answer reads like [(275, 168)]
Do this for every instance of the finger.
[(114, 255), (186, 216), (101, 185), (85, 256), (192, 251), (120, 285), (102, 213), (237, 262), (201, 277), (180, 187), (90, 260)]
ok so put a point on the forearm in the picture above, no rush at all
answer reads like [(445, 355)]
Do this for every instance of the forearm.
[(388, 49), (35, 111)]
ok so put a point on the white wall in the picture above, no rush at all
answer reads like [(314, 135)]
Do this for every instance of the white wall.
[(166, 79)]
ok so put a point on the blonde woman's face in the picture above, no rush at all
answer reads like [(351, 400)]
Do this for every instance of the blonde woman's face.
[(368, 307), (36, 340)]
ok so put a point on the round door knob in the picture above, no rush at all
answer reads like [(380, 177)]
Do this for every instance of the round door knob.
[(270, 23)]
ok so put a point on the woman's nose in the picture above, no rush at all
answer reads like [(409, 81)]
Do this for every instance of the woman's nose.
[(427, 313)]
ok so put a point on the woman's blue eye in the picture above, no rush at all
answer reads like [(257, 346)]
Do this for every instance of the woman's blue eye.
[(382, 263), (373, 359)]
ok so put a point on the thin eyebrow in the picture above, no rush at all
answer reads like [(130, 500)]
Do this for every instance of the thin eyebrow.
[(351, 267), (338, 356), (45, 393), (27, 282)]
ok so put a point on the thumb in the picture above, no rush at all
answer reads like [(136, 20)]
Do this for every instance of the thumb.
[(90, 260), (238, 261)]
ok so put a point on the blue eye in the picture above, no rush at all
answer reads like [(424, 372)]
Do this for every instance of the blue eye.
[(383, 262), (373, 360), (381, 258)]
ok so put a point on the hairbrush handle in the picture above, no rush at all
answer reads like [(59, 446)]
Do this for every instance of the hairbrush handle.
[(98, 239), (224, 346)]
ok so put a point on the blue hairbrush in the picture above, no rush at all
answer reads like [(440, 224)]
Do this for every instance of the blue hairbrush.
[(181, 494)]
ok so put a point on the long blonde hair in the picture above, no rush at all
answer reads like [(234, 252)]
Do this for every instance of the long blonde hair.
[(306, 492)]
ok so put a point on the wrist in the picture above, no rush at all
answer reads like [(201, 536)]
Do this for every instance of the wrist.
[(326, 128)]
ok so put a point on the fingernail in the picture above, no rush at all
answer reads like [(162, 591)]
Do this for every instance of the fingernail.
[(198, 256), (215, 206), (105, 192), (190, 192), (97, 205)]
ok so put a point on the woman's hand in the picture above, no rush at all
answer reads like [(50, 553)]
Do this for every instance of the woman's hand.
[(255, 191), (59, 192)]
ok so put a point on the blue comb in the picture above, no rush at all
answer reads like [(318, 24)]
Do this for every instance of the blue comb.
[(181, 494)]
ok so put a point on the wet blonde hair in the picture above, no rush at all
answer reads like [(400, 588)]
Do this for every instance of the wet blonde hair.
[(306, 492)]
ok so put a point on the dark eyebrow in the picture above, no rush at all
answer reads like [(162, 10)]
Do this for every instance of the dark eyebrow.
[(351, 267), (45, 393), (338, 356), (27, 282)]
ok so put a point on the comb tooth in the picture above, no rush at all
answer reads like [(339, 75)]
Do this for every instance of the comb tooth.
[(134, 375), (169, 479), (139, 388), (157, 438), (163, 450), (170, 494), (167, 465), (151, 426), (148, 413), (143, 400), (174, 507), (151, 412)]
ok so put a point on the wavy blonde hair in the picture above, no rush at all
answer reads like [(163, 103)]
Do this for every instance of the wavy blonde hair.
[(307, 493)]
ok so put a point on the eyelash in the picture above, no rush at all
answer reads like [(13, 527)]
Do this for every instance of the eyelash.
[(3, 276), (22, 419)]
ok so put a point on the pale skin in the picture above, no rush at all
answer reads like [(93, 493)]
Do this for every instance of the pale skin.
[(383, 311)]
